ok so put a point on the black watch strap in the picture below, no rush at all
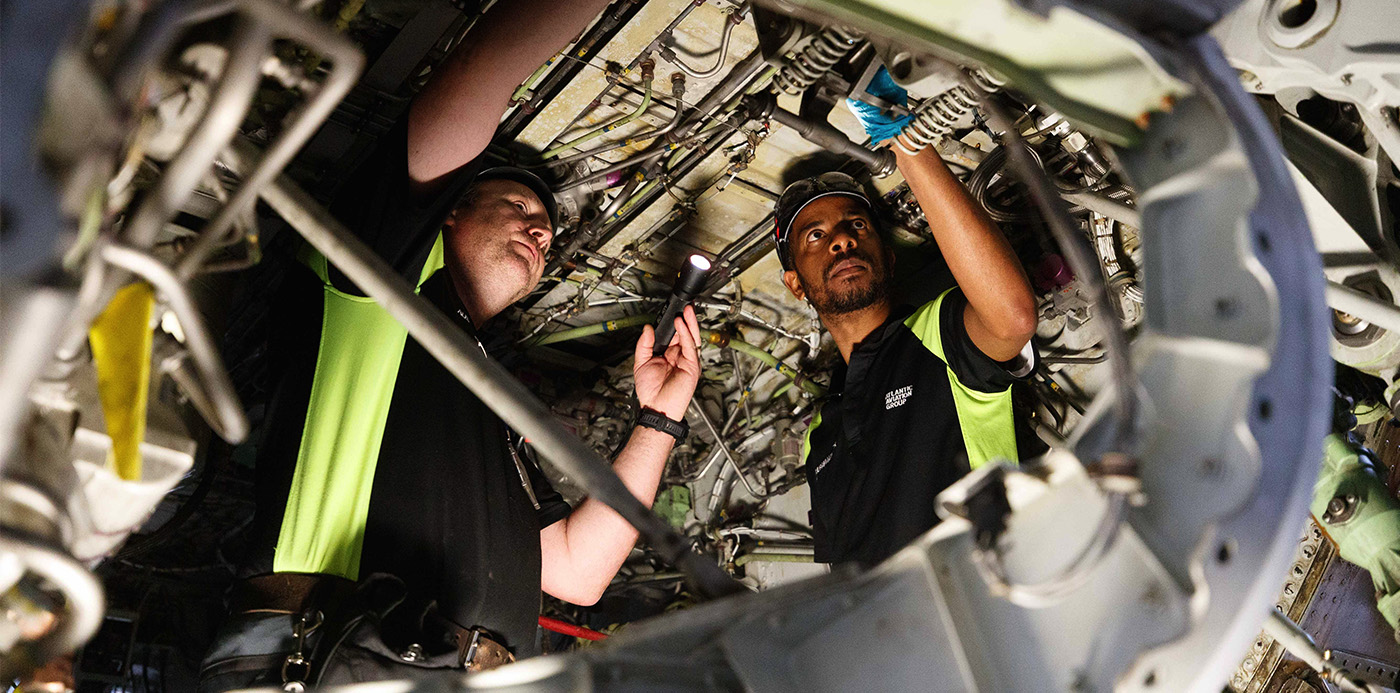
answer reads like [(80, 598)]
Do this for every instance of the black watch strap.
[(650, 418)]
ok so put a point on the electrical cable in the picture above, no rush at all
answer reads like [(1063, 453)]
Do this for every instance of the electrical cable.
[(1081, 261), (1116, 473)]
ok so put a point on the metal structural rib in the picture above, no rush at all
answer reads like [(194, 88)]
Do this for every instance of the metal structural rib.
[(1235, 407)]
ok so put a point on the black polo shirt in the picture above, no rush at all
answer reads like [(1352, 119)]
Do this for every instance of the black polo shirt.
[(916, 402), (376, 459)]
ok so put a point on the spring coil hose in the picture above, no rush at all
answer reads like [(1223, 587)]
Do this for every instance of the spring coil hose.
[(940, 114), (823, 51)]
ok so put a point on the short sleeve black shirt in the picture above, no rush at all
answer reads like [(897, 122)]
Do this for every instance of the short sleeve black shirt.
[(888, 438), (448, 513)]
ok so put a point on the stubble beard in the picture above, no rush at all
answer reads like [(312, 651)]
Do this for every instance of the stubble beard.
[(852, 298)]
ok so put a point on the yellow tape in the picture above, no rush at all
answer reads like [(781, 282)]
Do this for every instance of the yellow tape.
[(121, 348)]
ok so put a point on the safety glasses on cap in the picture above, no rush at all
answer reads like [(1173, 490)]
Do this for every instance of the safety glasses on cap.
[(802, 193)]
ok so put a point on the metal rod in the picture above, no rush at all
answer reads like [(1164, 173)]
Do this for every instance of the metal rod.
[(488, 380), (232, 423), (1383, 314), (730, 21)]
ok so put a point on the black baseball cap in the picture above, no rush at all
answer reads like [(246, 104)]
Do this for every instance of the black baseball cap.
[(529, 180), (802, 193)]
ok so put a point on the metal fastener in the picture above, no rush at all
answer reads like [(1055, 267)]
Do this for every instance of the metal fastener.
[(1340, 509), (412, 653)]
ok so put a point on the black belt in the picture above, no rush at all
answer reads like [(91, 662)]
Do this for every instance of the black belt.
[(302, 593)]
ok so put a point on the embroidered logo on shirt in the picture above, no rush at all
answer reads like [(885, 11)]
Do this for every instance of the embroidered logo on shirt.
[(895, 398), (822, 464)]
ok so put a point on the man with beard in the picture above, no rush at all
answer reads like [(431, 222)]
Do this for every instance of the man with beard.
[(925, 393), (400, 526)]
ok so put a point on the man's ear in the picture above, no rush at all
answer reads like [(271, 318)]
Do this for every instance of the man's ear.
[(794, 284)]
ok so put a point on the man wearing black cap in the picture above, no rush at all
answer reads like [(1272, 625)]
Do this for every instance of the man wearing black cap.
[(401, 526), (925, 392)]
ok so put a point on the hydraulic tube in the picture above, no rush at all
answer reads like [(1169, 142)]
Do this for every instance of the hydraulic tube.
[(647, 74), (721, 339), (880, 161), (590, 330)]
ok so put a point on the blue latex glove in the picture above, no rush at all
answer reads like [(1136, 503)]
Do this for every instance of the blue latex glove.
[(879, 125)]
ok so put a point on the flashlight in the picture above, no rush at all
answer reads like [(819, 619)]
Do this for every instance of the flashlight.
[(688, 282)]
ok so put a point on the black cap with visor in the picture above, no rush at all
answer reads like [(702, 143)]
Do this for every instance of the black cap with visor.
[(804, 192)]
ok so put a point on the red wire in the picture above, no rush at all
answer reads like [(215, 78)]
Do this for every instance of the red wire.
[(558, 626)]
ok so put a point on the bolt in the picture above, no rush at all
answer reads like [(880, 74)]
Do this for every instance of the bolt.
[(1346, 78), (413, 653)]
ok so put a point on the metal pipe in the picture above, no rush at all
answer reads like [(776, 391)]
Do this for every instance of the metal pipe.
[(730, 22), (772, 558), (614, 77), (229, 103), (488, 380), (1106, 206), (589, 330), (640, 158), (617, 15), (1383, 314), (721, 339), (1297, 641), (347, 62), (677, 93), (719, 441), (231, 99), (614, 168), (881, 162), (231, 423), (735, 82), (32, 325), (84, 602), (609, 127)]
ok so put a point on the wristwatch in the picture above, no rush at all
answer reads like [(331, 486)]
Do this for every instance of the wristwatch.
[(650, 418)]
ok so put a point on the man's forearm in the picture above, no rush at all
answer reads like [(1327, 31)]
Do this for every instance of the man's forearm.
[(453, 119), (977, 253), (595, 539)]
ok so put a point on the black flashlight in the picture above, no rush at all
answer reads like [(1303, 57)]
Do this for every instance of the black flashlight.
[(688, 283)]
